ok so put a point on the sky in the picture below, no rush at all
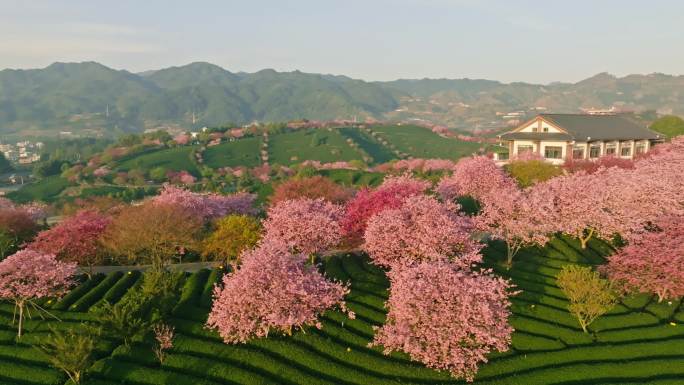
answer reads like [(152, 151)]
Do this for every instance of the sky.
[(514, 40)]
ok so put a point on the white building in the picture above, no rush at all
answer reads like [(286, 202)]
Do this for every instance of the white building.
[(559, 137)]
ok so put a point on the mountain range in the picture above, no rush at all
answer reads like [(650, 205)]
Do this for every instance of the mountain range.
[(90, 98)]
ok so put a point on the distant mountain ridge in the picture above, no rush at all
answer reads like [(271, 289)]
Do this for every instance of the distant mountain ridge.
[(91, 97)]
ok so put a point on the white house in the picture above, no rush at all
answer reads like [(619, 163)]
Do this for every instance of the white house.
[(558, 137)]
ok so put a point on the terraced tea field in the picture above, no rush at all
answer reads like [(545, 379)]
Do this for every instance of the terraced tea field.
[(636, 343), (420, 142), (176, 159), (322, 145), (242, 152)]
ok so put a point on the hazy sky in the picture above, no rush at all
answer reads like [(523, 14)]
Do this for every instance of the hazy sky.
[(534, 41)]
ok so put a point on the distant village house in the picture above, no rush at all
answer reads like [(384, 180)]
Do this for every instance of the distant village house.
[(561, 137)]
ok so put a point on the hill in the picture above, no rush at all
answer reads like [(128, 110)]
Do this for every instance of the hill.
[(89, 98), (635, 343), (669, 126)]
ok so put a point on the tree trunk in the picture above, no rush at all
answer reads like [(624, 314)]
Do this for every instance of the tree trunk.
[(21, 317), (585, 239)]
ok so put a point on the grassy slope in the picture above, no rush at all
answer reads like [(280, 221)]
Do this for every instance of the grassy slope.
[(420, 142), (242, 152), (176, 159), (46, 189), (322, 145), (633, 344)]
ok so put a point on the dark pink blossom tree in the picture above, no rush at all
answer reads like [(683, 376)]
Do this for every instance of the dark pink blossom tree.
[(653, 261), (29, 275), (273, 290), (476, 177), (421, 229), (446, 318), (368, 202), (75, 239), (306, 226)]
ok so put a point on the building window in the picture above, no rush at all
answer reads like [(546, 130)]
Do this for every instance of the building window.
[(578, 152), (610, 149), (594, 152), (524, 149), (626, 151), (546, 129), (640, 148), (502, 156), (553, 152)]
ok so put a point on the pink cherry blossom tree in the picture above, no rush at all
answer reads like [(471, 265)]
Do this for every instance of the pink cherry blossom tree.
[(653, 262), (305, 225), (421, 229), (207, 206), (75, 239), (446, 318), (391, 194), (272, 290), (476, 177), (29, 275), (516, 217)]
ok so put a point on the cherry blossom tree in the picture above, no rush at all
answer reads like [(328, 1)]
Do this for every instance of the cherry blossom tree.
[(578, 205), (421, 229), (206, 206), (368, 202), (29, 275), (516, 217), (446, 318), (313, 187), (16, 227), (476, 177), (272, 290), (652, 262), (75, 239), (306, 226)]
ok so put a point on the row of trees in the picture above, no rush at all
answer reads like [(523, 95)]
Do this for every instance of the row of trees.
[(637, 206)]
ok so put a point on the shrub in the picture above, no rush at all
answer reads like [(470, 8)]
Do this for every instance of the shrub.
[(163, 335), (529, 172), (70, 350), (590, 296)]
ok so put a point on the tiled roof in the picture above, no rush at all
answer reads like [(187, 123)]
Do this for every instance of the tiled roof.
[(600, 127)]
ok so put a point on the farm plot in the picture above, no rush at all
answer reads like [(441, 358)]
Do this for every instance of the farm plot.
[(242, 152), (420, 142), (322, 145), (639, 341)]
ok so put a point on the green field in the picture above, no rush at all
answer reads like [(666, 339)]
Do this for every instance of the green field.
[(633, 344), (242, 152), (46, 189), (321, 145), (420, 142), (370, 145), (176, 159)]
